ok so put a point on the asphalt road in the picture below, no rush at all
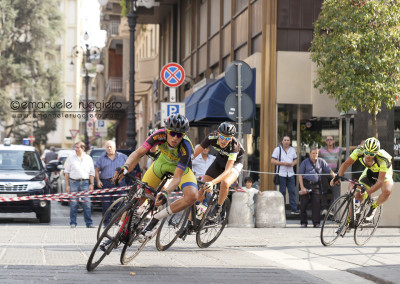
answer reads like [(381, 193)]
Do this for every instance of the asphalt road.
[(31, 253)]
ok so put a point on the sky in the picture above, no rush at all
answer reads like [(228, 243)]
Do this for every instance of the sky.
[(91, 22)]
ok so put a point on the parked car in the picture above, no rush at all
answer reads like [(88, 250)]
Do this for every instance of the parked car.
[(22, 174), (62, 157)]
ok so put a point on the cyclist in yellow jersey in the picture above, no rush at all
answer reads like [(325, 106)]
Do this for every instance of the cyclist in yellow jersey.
[(377, 174), (175, 158)]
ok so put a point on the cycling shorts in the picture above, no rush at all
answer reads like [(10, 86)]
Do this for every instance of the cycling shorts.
[(218, 167), (369, 178), (156, 171)]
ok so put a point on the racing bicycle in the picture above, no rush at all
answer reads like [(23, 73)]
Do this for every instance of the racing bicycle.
[(207, 230), (127, 224), (345, 214)]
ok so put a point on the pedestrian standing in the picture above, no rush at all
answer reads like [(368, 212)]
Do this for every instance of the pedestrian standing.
[(79, 176), (332, 155), (285, 157), (310, 184), (104, 171), (202, 162), (51, 155)]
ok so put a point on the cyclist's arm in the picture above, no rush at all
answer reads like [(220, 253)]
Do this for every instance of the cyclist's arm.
[(228, 170), (345, 166), (134, 158), (198, 150)]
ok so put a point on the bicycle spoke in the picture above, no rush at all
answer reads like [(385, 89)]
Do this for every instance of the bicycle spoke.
[(365, 229), (336, 221), (170, 228)]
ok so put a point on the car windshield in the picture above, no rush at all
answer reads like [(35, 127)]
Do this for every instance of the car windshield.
[(19, 160), (96, 154)]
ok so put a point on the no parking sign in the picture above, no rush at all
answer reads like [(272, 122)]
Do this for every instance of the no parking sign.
[(172, 75)]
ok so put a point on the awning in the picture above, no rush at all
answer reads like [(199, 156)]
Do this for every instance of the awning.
[(207, 105)]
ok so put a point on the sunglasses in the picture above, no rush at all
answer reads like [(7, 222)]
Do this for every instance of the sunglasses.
[(177, 134), (329, 139), (225, 138), (369, 154)]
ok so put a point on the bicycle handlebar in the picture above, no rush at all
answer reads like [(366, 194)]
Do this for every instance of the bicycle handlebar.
[(145, 185), (363, 189)]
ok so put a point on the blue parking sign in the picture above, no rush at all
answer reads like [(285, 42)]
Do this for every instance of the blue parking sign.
[(171, 109)]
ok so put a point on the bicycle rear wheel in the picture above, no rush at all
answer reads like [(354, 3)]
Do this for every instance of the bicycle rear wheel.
[(209, 231), (114, 207), (335, 220), (365, 229), (170, 228), (113, 235)]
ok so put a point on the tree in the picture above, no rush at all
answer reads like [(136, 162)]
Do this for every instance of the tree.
[(356, 47), (29, 60)]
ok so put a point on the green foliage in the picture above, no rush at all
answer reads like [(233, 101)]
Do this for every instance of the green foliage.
[(125, 5), (29, 60), (356, 47)]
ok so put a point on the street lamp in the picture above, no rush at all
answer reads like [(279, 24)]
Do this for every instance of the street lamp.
[(87, 51), (131, 133)]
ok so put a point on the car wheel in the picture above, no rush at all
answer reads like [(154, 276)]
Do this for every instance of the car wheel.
[(44, 215)]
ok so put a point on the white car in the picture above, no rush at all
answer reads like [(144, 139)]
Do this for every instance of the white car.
[(62, 157)]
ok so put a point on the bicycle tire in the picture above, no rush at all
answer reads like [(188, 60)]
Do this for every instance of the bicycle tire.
[(112, 232), (334, 224), (204, 235), (117, 204), (170, 229), (365, 230), (128, 256)]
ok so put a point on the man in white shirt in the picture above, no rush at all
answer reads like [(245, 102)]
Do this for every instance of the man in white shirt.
[(79, 176), (202, 162), (286, 161)]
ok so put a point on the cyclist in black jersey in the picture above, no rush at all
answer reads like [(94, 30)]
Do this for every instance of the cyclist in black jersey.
[(228, 164)]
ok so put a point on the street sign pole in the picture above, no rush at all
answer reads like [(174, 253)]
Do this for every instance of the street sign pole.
[(172, 95), (239, 87)]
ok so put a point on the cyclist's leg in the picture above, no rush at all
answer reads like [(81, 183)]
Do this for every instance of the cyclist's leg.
[(386, 189), (189, 189), (228, 181)]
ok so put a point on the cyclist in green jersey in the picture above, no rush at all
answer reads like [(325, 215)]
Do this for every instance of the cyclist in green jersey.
[(377, 174)]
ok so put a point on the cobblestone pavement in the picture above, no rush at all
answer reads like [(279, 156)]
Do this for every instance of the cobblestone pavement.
[(32, 252)]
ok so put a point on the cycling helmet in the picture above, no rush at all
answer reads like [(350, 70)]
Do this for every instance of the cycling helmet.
[(151, 131), (372, 145), (177, 122), (227, 128)]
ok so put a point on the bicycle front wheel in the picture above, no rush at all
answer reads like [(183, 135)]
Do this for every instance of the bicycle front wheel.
[(335, 222), (170, 229), (365, 229), (136, 241), (114, 207), (209, 231), (111, 237)]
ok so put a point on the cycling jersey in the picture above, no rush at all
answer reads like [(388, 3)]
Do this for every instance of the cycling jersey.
[(382, 160), (233, 151), (169, 159), (382, 163)]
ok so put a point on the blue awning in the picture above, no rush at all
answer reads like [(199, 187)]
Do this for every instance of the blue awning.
[(207, 105)]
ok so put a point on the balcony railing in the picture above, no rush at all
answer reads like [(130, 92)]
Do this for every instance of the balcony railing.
[(114, 85), (113, 28)]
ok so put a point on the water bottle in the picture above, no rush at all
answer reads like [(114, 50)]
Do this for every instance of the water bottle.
[(201, 208), (356, 206)]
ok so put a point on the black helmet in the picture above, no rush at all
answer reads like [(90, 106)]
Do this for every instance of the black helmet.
[(151, 131), (227, 128), (177, 122)]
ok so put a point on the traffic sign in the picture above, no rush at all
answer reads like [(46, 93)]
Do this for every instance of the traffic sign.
[(172, 75), (74, 132), (31, 138), (231, 75), (170, 108), (231, 106)]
